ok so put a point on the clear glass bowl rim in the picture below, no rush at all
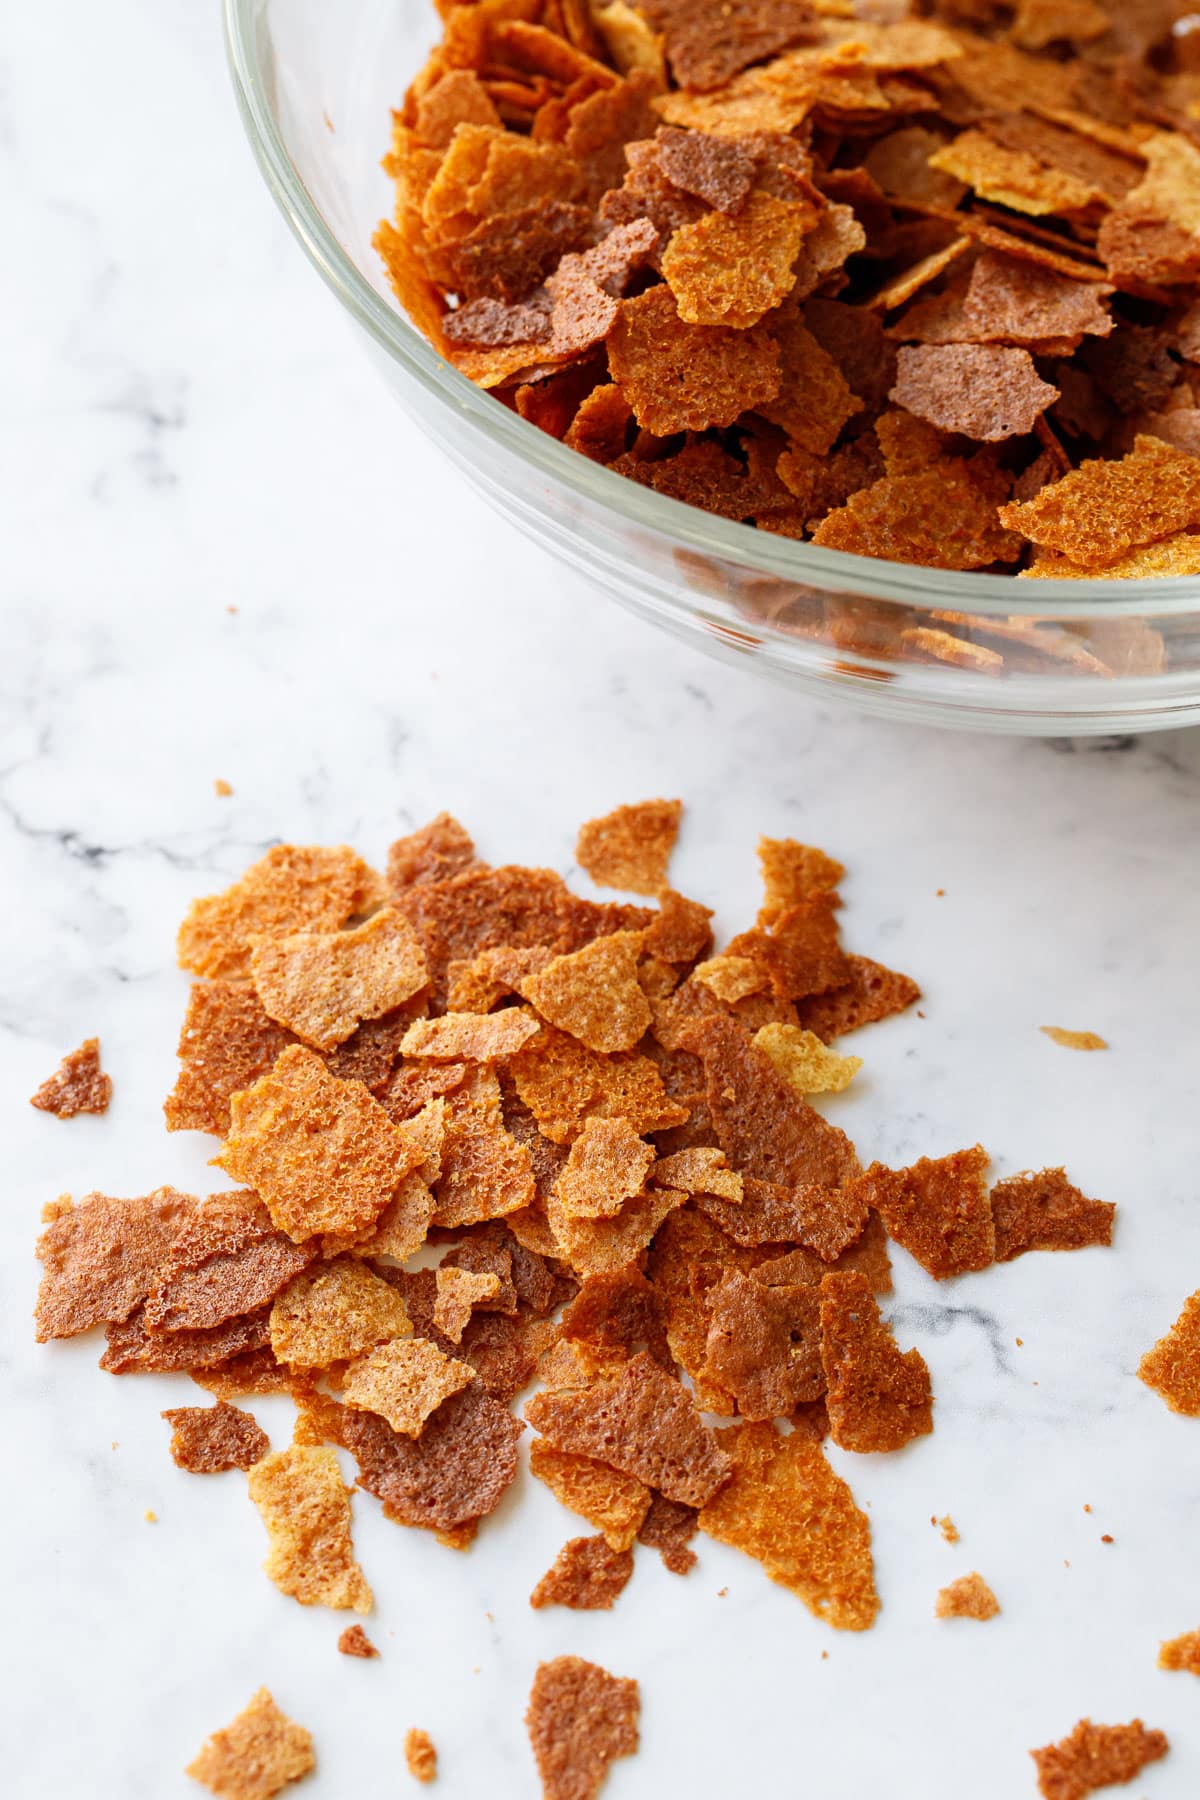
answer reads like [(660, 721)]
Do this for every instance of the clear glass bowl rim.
[(698, 532)]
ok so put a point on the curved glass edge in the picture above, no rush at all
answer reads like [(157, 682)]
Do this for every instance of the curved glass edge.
[(737, 544)]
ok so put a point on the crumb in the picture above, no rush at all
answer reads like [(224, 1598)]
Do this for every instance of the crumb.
[(969, 1597), (1086, 1507), (150, 1517), (355, 1642), (1073, 1040), (221, 789), (420, 1755), (1106, 1539), (79, 1085), (948, 1528)]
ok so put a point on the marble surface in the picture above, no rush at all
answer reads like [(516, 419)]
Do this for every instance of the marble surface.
[(229, 555)]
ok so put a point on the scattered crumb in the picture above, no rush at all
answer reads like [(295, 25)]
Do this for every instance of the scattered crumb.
[(78, 1085), (1074, 1040), (221, 788), (969, 1597), (948, 1528), (721, 1593), (1106, 1539), (256, 1756), (1019, 1342), (355, 1642), (150, 1517), (420, 1754), (1086, 1507)]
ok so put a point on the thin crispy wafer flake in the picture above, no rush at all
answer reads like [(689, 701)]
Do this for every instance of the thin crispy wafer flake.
[(786, 1508), (322, 984), (208, 1439), (256, 1756), (1181, 1653), (614, 1503), (1102, 509), (793, 873), (969, 1597), (101, 1258), (227, 1259), (1172, 1367), (631, 847), (580, 1719), (485, 1172), (470, 1036), (306, 1509), (802, 1058), (1045, 1211), (78, 1084), (985, 391), (459, 1291), (878, 1398), (355, 1642), (290, 889), (335, 1312), (938, 1210), (1096, 1756), (701, 1170), (733, 271), (594, 993), (587, 1575), (563, 1083), (322, 1152), (681, 377), (607, 1165), (404, 1381), (420, 1756)]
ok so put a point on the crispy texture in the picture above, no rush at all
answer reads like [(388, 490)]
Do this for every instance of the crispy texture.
[(485, 1173), (604, 1246), (701, 1170), (226, 1259), (764, 1345), (256, 1756), (616, 1504), (1096, 1756), (594, 993), (669, 1528), (786, 1508), (733, 271), (804, 1060), (404, 1381), (564, 1084), (290, 889), (101, 1258), (1182, 1653), (814, 399), (943, 517), (826, 1220), (969, 1597), (793, 873), (77, 1085), (580, 1719), (643, 1423), (458, 1470), (631, 847), (1045, 1211), (681, 377), (717, 170), (732, 978), (208, 1439), (322, 1153), (938, 1210), (226, 1042), (871, 993), (458, 1292), (131, 1347), (764, 1126), (355, 1642), (335, 1312), (878, 1399), (438, 850), (323, 984), (420, 1756), (1101, 510), (1073, 1040), (306, 1510), (1172, 1367), (587, 1575), (470, 1036), (607, 1165), (985, 391)]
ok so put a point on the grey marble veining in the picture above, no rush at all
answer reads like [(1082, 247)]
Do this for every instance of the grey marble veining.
[(229, 555)]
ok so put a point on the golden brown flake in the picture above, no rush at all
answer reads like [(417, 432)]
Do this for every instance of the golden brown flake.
[(206, 1440), (871, 993), (306, 1510), (732, 271), (355, 1642), (1073, 1040), (938, 1210), (580, 1719), (470, 1036), (878, 1398), (1102, 509), (631, 847), (681, 377), (764, 1345), (607, 1165), (227, 1259), (1096, 1756), (404, 1381), (438, 850), (1047, 1212), (226, 1042), (322, 1153), (804, 1060), (792, 874), (78, 1084), (732, 978), (101, 1258), (290, 889), (948, 1529), (1172, 1367), (322, 984), (459, 1291), (969, 1597), (594, 993), (587, 1575), (335, 1312), (669, 1528), (256, 1756), (420, 1757), (563, 1083), (701, 1170), (615, 1503), (786, 1508), (1181, 1653), (485, 1173)]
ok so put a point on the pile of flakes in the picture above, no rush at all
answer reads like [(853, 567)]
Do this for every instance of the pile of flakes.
[(490, 1133), (920, 285)]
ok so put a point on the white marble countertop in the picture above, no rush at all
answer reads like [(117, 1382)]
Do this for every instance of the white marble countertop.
[(228, 554)]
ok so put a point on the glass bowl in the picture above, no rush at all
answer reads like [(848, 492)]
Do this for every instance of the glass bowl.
[(315, 83)]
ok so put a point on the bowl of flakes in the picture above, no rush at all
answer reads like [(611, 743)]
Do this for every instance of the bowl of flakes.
[(862, 349)]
